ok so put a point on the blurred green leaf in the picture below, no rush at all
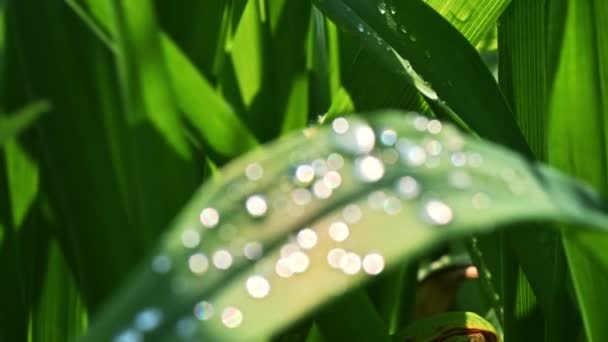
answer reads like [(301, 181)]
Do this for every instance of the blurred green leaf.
[(23, 178), (578, 145), (12, 125), (402, 230)]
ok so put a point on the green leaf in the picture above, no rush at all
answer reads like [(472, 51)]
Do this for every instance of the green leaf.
[(23, 177), (195, 96), (450, 327), (143, 71), (578, 145), (13, 125), (457, 186)]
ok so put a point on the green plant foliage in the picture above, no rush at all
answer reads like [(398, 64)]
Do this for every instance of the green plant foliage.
[(435, 185)]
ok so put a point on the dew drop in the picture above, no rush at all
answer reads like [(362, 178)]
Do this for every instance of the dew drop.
[(253, 250), (373, 263), (284, 268), (198, 263), (434, 126), (161, 264), (393, 10), (320, 167), (232, 317), (357, 139), (411, 153), (222, 259), (307, 238), (288, 249), (340, 125), (301, 196), (388, 137), (392, 205), (129, 335), (190, 238), (209, 217), (304, 174), (334, 257), (321, 190), (420, 123), (382, 8), (352, 213), (403, 29), (185, 327), (474, 159), (438, 212), (369, 169), (460, 179), (254, 172), (458, 159), (376, 199), (433, 147), (148, 319), (360, 28), (413, 38), (350, 263), (204, 310), (339, 231), (332, 180), (256, 206), (335, 161), (257, 286), (408, 187), (299, 262)]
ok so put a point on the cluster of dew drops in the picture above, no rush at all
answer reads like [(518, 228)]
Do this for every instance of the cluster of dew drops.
[(372, 150)]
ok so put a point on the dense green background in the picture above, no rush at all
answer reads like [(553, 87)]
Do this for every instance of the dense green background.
[(142, 101)]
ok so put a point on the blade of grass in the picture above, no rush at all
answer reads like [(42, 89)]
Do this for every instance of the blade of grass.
[(548, 195), (578, 145), (13, 125)]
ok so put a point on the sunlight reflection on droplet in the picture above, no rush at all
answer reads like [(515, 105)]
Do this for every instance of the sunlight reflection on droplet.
[(305, 174), (321, 190), (253, 250), (352, 213), (434, 126), (222, 259), (369, 169), (148, 319), (388, 137), (373, 263), (257, 286), (256, 206), (332, 179), (198, 263), (338, 231), (307, 238), (129, 335), (301, 196), (392, 205), (458, 159), (474, 159), (161, 264), (350, 263), (204, 310), (335, 161), (209, 217), (254, 172), (232, 317), (408, 187), (185, 327), (438, 212), (288, 249), (190, 238), (358, 139), (340, 125), (411, 153), (420, 123), (320, 167), (334, 257), (460, 179), (433, 147), (284, 267), (299, 262), (376, 199)]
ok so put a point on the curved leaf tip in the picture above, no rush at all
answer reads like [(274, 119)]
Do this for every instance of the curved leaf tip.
[(289, 227)]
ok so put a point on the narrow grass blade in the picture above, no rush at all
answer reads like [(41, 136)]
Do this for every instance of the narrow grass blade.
[(12, 125), (258, 249), (578, 145)]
